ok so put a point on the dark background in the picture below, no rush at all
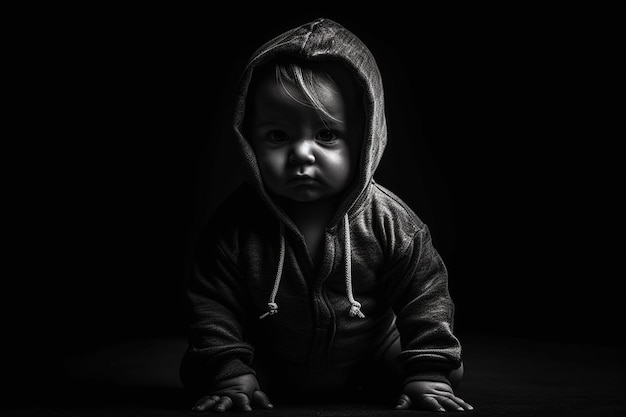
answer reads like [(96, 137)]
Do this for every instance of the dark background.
[(503, 131)]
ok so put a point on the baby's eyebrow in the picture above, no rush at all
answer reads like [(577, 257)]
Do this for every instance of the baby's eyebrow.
[(266, 123)]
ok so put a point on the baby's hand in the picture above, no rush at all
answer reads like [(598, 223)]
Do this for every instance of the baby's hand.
[(430, 396), (240, 393)]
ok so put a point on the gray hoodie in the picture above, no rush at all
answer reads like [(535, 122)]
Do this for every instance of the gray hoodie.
[(380, 272)]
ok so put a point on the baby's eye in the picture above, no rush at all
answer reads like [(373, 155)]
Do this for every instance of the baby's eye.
[(326, 136), (277, 136)]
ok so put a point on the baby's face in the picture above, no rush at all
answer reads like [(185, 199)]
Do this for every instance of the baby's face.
[(304, 155)]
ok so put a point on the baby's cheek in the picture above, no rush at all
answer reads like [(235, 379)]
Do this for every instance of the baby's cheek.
[(277, 160), (274, 166), (271, 174), (340, 167)]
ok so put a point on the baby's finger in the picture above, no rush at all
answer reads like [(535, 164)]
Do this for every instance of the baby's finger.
[(452, 402), (404, 402), (241, 402), (430, 403), (206, 403), (463, 404), (450, 405), (259, 398), (224, 404)]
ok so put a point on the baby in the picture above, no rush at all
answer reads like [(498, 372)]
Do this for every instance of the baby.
[(312, 281)]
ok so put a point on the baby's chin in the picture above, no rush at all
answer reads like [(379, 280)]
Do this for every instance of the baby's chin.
[(303, 196)]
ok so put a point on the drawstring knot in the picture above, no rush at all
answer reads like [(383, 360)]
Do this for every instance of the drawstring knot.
[(355, 310), (273, 309)]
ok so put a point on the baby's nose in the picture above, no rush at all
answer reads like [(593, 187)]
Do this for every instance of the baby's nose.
[(302, 153)]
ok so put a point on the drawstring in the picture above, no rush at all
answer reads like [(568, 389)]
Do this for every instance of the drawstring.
[(273, 307), (355, 309), (355, 306)]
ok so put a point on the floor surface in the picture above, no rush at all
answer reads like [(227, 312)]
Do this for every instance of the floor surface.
[(504, 377)]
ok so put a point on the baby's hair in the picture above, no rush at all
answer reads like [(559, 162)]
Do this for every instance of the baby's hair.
[(309, 81)]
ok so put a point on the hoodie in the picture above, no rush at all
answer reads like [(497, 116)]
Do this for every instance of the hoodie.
[(256, 295)]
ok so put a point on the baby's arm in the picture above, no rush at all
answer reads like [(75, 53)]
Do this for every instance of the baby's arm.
[(430, 396), (431, 354), (239, 393), (217, 363)]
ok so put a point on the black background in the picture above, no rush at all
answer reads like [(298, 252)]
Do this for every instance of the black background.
[(504, 126)]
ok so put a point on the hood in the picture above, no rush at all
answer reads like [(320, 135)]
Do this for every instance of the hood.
[(322, 39)]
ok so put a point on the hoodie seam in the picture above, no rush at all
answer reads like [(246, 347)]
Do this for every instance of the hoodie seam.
[(415, 222), (362, 205), (308, 35)]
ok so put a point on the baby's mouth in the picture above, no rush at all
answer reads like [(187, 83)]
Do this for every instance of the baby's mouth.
[(302, 179)]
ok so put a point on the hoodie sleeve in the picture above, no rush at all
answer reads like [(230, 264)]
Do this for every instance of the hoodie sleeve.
[(216, 296), (419, 295)]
